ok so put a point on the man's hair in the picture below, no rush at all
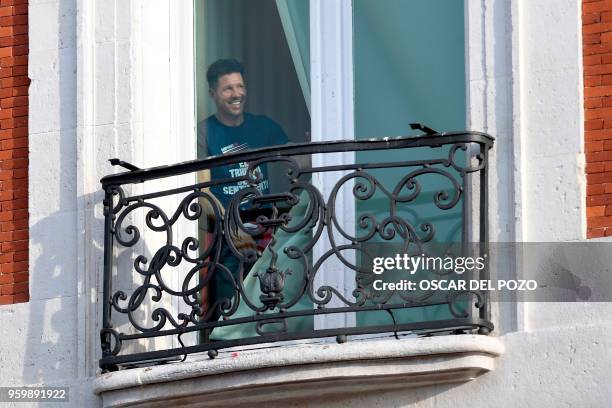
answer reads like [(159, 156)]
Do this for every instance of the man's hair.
[(222, 67)]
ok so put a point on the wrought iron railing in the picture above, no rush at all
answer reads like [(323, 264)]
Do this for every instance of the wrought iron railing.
[(163, 293)]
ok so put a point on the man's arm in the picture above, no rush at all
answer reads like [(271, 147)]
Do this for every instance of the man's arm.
[(241, 239)]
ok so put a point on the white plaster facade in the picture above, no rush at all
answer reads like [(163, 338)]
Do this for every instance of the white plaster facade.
[(112, 78)]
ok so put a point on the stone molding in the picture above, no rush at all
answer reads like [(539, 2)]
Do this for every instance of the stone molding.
[(299, 372)]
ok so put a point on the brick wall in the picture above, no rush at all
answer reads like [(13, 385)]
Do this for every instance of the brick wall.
[(14, 151)]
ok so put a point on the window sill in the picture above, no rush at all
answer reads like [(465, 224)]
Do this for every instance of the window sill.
[(291, 373)]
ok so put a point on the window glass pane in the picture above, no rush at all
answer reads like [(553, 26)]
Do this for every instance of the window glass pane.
[(270, 39), (409, 66)]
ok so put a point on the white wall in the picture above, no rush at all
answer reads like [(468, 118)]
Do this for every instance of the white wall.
[(103, 74), (104, 84)]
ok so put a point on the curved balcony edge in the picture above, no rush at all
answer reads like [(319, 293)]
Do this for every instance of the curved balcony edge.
[(296, 372)]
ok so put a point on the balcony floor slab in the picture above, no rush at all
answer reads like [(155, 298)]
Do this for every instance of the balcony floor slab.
[(298, 372)]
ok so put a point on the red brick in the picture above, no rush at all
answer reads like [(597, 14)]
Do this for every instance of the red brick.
[(23, 163), (606, 79), (6, 278), (22, 122), (20, 193), (593, 103), (587, 49), (13, 101), (13, 143), (598, 178), (587, 39), (20, 29), (20, 277), (589, 147), (590, 169), (590, 7), (20, 215), (21, 297), (6, 195), (591, 18), (20, 153), (596, 189), (7, 257), (594, 59), (605, 221), (596, 28), (20, 9), (13, 288), (23, 91), (20, 70), (12, 2), (11, 20), (20, 256), (6, 31), (6, 299), (608, 166), (20, 173), (592, 80), (14, 246), (598, 91), (16, 81), (18, 40), (600, 69), (23, 203), (18, 236), (607, 101), (23, 111), (14, 133), (598, 113), (594, 124), (592, 157), (6, 113), (14, 225), (15, 184), (598, 211), (600, 199), (595, 233), (20, 50), (15, 267), (6, 52), (605, 17), (14, 61)]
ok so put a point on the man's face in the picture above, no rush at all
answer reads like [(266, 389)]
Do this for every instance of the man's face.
[(230, 96)]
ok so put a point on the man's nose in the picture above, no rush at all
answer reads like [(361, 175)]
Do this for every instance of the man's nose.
[(237, 92)]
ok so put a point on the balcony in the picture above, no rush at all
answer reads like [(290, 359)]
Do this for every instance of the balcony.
[(183, 275)]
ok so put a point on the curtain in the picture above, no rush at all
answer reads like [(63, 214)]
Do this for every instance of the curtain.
[(295, 18)]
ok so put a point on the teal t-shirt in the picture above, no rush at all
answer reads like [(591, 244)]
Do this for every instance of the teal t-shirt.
[(215, 138)]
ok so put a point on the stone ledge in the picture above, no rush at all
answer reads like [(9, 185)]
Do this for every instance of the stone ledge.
[(288, 374)]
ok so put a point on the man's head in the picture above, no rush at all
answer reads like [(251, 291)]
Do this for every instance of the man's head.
[(228, 90)]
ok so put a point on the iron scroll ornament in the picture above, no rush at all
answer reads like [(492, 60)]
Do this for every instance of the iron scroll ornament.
[(317, 221)]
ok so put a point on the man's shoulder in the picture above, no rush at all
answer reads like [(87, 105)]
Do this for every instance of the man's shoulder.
[(265, 122), (259, 119)]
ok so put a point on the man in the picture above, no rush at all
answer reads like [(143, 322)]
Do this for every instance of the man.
[(231, 130)]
